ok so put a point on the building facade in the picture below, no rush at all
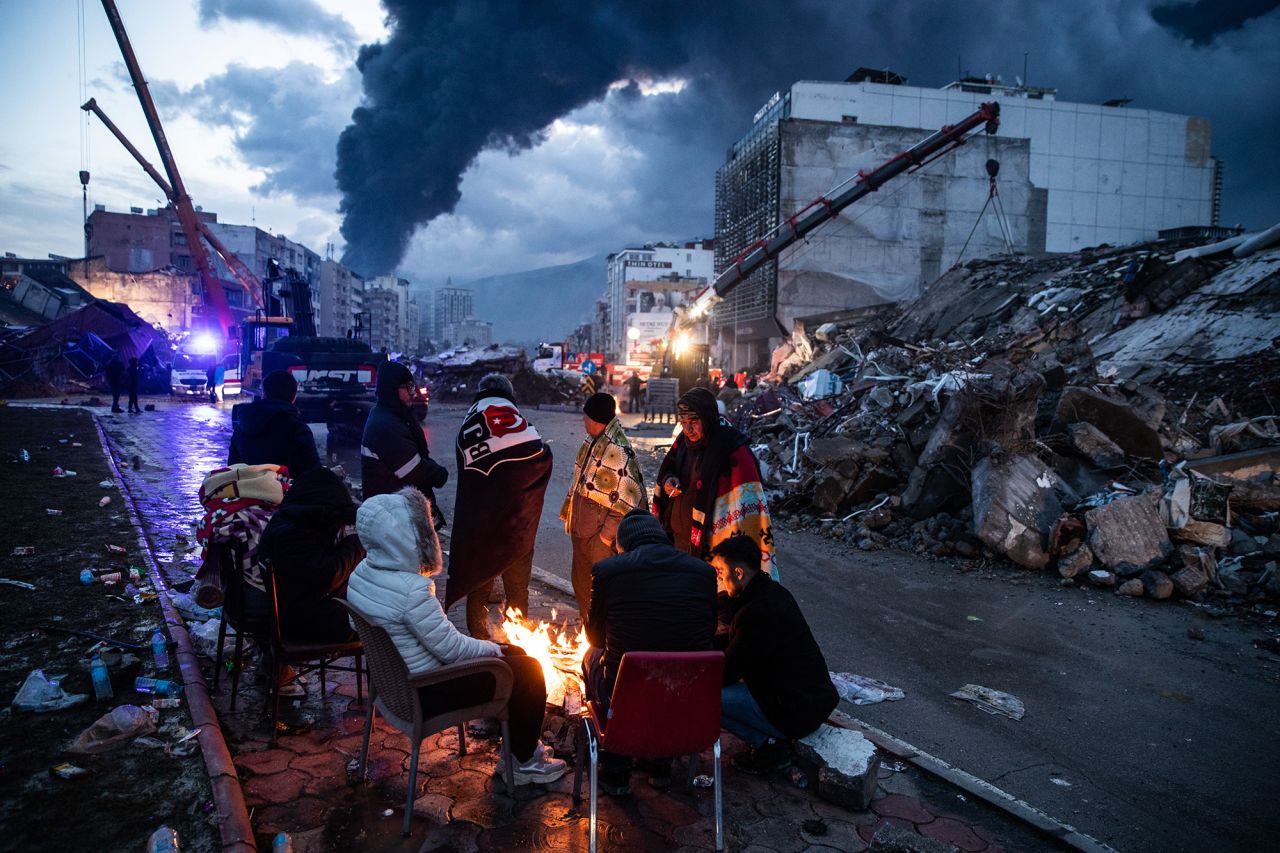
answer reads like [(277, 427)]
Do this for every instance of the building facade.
[(1070, 176), (339, 290), (652, 278), (451, 305), (469, 332)]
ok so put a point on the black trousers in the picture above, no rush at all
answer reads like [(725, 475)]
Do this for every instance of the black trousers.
[(324, 621), (527, 704)]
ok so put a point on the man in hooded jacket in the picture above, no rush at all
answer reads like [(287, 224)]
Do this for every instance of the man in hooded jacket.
[(709, 486), (270, 431), (313, 549), (393, 450)]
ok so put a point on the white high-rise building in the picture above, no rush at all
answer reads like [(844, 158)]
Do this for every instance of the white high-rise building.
[(647, 282)]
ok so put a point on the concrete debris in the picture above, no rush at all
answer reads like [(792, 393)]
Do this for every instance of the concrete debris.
[(1133, 587), (895, 839), (969, 423), (847, 764)]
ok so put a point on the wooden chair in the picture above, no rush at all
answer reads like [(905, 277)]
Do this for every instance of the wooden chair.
[(303, 657), (394, 692), (664, 704)]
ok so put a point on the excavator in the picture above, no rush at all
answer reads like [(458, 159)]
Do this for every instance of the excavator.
[(687, 361), (336, 376)]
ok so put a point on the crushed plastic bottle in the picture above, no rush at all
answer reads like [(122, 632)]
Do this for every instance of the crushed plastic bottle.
[(158, 686), (282, 843), (24, 455), (160, 650), (101, 679), (163, 840), (87, 577)]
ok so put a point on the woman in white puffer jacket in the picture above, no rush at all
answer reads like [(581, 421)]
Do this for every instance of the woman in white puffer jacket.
[(393, 586)]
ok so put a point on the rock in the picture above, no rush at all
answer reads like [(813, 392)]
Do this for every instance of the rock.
[(1127, 535), (878, 518), (831, 492), (1116, 420), (1092, 444), (1189, 581), (965, 548), (1014, 506), (1200, 560), (895, 839), (1195, 632), (872, 482), (1102, 578), (1157, 584), (1079, 560), (847, 765), (826, 452), (1203, 533), (1133, 587)]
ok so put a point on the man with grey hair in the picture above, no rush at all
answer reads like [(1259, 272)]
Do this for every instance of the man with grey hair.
[(503, 470)]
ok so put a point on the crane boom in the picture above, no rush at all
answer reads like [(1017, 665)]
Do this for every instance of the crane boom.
[(214, 295), (238, 267), (825, 208)]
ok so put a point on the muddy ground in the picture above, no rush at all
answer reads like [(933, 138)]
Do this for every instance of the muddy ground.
[(134, 789)]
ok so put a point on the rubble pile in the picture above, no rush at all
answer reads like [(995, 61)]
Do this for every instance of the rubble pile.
[(1113, 415), (454, 373)]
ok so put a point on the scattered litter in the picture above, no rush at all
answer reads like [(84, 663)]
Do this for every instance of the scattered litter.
[(388, 812), (190, 610), (62, 472), (114, 729), (24, 455), (42, 694), (702, 780), (163, 840), (184, 745), (1057, 781), (11, 582), (106, 499), (973, 618), (53, 512), (892, 766), (991, 701), (68, 771), (116, 549), (24, 551), (106, 484), (861, 690)]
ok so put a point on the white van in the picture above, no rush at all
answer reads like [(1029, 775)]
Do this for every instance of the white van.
[(190, 373)]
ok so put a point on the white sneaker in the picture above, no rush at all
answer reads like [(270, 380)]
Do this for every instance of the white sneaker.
[(541, 769)]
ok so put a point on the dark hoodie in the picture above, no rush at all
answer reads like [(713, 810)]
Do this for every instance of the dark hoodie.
[(697, 467), (650, 598), (310, 563), (271, 432), (393, 449)]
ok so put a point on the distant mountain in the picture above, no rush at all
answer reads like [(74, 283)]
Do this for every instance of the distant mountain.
[(539, 305)]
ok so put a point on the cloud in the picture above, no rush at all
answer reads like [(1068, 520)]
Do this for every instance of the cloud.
[(296, 17), (1204, 20)]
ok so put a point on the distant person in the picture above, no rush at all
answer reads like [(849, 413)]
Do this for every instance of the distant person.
[(114, 372), (709, 484), (270, 431), (503, 470), (394, 452), (132, 378), (215, 377), (606, 485), (776, 685), (650, 598), (635, 398), (729, 392)]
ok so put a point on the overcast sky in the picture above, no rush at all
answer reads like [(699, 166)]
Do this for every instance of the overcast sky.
[(529, 134)]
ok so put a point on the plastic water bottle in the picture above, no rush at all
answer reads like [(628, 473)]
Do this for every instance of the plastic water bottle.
[(282, 843), (86, 576), (160, 648), (101, 679), (163, 840), (158, 686)]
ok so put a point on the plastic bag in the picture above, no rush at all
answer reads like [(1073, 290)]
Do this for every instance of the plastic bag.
[(114, 729), (204, 638), (39, 694), (187, 606), (861, 690), (991, 701)]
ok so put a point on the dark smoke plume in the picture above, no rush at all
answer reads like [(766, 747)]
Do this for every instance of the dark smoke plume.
[(457, 77)]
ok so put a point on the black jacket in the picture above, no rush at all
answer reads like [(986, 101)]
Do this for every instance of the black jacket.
[(393, 448), (310, 564), (271, 432), (770, 647), (652, 598)]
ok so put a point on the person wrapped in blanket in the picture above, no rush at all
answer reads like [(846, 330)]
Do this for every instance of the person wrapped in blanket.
[(708, 486), (238, 502)]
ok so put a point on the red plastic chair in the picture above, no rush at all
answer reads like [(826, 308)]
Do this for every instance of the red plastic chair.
[(664, 704)]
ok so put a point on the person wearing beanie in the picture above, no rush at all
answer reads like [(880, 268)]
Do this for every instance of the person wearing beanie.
[(394, 452), (650, 598), (270, 431), (709, 486), (606, 485), (503, 470)]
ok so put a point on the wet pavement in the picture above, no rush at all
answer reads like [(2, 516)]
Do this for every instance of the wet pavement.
[(302, 786)]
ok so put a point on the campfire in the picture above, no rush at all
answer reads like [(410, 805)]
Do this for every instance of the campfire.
[(559, 652)]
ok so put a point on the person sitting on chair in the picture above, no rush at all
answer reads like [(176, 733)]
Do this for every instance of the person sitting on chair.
[(393, 586), (776, 684)]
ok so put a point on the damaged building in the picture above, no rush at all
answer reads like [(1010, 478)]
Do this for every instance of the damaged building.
[(1069, 176)]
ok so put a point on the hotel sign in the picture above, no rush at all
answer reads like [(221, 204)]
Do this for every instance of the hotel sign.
[(650, 265)]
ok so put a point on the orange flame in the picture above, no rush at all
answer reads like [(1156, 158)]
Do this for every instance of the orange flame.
[(559, 652)]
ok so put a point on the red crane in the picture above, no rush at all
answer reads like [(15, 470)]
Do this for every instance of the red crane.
[(214, 295)]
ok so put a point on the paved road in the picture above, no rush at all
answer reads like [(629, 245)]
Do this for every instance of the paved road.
[(1133, 733)]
